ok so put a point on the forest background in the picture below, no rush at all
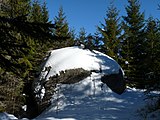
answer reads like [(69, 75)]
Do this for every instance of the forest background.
[(27, 34)]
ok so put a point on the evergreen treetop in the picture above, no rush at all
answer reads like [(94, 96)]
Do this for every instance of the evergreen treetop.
[(111, 32), (62, 31), (133, 41)]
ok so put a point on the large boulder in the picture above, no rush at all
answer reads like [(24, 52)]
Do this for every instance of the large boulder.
[(75, 57), (76, 65), (115, 82), (61, 64)]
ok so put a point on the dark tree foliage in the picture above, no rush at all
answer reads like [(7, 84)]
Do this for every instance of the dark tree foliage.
[(39, 13), (111, 32), (92, 42), (133, 42), (16, 53), (20, 41), (84, 40), (62, 30), (14, 8), (151, 64), (82, 35), (45, 15), (11, 98)]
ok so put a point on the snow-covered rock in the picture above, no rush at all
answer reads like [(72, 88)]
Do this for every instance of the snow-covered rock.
[(75, 57)]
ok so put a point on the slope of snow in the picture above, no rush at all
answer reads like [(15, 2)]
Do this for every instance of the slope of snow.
[(6, 116), (75, 57), (91, 100)]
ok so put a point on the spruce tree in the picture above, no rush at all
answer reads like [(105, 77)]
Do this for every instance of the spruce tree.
[(20, 41), (98, 41), (133, 42), (152, 52), (81, 36), (13, 51), (111, 31), (45, 15), (36, 12), (62, 31), (87, 41)]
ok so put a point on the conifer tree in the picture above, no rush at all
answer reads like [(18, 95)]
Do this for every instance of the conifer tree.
[(62, 30), (39, 13), (133, 42), (98, 42), (19, 52), (88, 41), (151, 64), (13, 51), (82, 36), (45, 15), (111, 31), (36, 12)]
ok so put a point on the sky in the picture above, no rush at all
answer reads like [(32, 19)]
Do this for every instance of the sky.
[(90, 13)]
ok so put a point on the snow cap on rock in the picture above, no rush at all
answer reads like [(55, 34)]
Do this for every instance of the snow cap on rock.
[(75, 57), (94, 61)]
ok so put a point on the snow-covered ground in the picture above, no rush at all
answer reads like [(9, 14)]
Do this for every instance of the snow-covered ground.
[(6, 116), (90, 100), (84, 103)]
